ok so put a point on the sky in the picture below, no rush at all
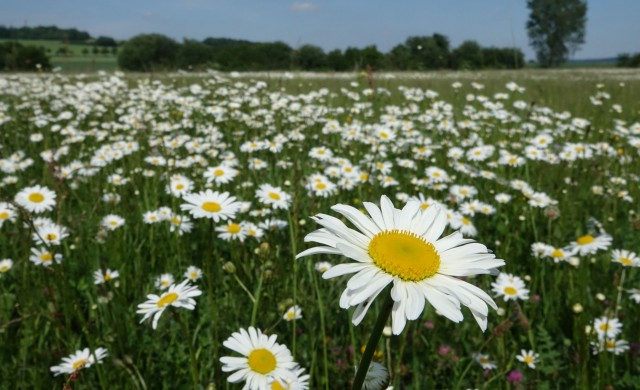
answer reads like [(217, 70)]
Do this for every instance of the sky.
[(612, 25)]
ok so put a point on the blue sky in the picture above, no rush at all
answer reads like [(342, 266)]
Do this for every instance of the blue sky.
[(612, 25)]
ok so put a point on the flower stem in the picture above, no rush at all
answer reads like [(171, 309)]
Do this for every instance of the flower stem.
[(373, 341)]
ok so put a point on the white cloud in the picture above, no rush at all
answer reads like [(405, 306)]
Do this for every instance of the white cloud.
[(303, 6)]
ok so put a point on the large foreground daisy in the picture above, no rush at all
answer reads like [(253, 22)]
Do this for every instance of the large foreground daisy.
[(263, 360), (404, 247)]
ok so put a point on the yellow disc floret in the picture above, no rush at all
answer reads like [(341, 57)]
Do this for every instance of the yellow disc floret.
[(211, 207), (404, 254), (262, 361), (36, 197), (584, 240), (79, 364), (167, 299)]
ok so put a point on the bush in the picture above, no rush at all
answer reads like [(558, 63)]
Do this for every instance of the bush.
[(14, 56), (148, 53)]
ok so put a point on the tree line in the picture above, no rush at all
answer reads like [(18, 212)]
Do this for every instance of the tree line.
[(49, 33), (152, 52)]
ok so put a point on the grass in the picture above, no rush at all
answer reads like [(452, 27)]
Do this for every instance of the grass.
[(47, 313), (74, 60)]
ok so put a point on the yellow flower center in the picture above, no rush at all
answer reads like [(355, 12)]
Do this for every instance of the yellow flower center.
[(46, 257), (36, 197), (167, 299), (604, 327), (107, 277), (211, 207), (404, 254), (4, 215), (584, 240), (484, 360), (321, 186), (528, 359), (113, 223), (4, 268), (175, 220), (51, 236), (611, 344), (510, 290), (180, 186), (262, 361), (218, 172), (465, 221), (233, 228), (78, 364), (625, 261), (557, 253), (424, 206), (275, 385), (274, 196)]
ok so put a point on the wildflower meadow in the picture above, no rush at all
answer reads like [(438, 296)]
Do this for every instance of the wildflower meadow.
[(320, 231)]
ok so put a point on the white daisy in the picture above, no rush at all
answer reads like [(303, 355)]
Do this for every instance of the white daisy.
[(588, 244), (100, 276), (510, 287), (36, 199), (232, 231), (607, 328), (7, 213), (164, 281), (178, 295), (293, 313), (209, 204), (50, 234), (297, 381), (112, 221), (5, 265), (528, 357), (193, 273), (625, 257), (262, 361), (44, 257), (273, 196), (404, 248), (220, 174), (79, 360)]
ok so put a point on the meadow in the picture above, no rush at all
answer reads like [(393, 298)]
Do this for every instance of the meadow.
[(145, 220), (73, 57)]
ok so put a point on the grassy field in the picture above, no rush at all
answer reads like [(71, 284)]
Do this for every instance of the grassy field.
[(76, 57), (541, 168)]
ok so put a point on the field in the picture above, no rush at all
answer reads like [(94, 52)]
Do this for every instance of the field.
[(145, 220), (74, 57)]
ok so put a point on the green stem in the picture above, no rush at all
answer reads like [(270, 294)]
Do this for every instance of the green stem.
[(373, 341), (294, 252), (256, 299), (192, 352), (323, 330)]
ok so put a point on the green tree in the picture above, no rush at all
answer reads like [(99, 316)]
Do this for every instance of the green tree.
[(193, 55), (556, 29), (148, 52), (467, 56), (335, 60), (310, 57), (429, 52)]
